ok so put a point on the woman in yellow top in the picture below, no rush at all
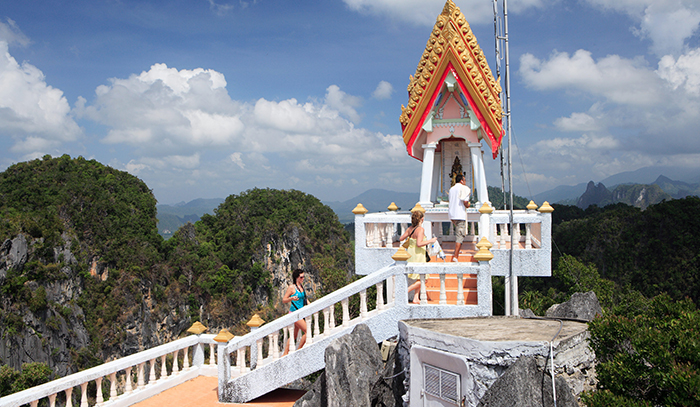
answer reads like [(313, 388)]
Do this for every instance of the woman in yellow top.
[(416, 248)]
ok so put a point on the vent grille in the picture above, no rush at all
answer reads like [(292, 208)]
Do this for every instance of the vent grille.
[(441, 383)]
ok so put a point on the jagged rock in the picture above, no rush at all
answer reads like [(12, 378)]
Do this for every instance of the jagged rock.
[(354, 374), (13, 254), (526, 313), (581, 306), (523, 385), (595, 195)]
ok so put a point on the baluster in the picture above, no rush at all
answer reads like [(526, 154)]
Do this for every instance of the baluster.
[(186, 359), (69, 397), (83, 394), (176, 370), (98, 397), (128, 387), (390, 292), (274, 346), (163, 368), (140, 376), (345, 302), (380, 295), (112, 386), (241, 360), (317, 331), (34, 403), (363, 305), (212, 355), (516, 235), (326, 322), (292, 339), (443, 294), (285, 337), (423, 293), (494, 233), (460, 289), (259, 360), (309, 331), (502, 243), (528, 236), (332, 307), (152, 373), (52, 400)]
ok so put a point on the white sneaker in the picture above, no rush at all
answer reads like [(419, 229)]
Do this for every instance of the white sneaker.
[(456, 260)]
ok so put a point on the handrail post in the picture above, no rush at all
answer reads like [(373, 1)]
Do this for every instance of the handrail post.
[(400, 286)]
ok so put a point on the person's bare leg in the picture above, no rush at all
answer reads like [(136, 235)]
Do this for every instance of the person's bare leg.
[(458, 247), (300, 324), (415, 287)]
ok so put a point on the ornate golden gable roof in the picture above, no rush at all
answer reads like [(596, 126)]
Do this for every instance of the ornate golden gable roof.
[(452, 47)]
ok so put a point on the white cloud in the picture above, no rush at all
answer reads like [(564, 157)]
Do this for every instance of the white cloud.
[(667, 23), (343, 103), (164, 110), (619, 80), (236, 158), (579, 122), (11, 34), (384, 91), (424, 12), (35, 115), (683, 72)]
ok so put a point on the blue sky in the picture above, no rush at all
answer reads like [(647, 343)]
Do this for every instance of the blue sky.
[(205, 98)]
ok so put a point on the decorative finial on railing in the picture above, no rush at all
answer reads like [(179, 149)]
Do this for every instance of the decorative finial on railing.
[(546, 208), (401, 255), (393, 207), (531, 206), (224, 336), (418, 208), (197, 328), (486, 208), (359, 210), (255, 321), (484, 254)]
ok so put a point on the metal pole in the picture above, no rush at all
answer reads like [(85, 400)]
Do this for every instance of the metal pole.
[(513, 277)]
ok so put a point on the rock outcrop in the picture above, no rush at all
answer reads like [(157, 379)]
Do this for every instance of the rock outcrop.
[(354, 374), (524, 385), (584, 306)]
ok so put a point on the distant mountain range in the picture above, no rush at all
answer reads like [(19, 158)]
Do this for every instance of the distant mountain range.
[(640, 188)]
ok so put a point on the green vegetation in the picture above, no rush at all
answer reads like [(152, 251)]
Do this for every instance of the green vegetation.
[(32, 374), (643, 267)]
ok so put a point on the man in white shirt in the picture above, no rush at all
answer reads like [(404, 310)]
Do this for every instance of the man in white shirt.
[(459, 202)]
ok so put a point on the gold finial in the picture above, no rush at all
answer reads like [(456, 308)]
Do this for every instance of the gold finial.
[(484, 254), (255, 321), (224, 336), (546, 208), (486, 208), (484, 242), (359, 210), (531, 206), (418, 208), (401, 255), (197, 328), (393, 207)]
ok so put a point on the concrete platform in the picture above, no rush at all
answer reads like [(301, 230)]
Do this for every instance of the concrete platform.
[(502, 328)]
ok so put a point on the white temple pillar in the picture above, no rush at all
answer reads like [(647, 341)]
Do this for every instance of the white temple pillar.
[(479, 174), (427, 175)]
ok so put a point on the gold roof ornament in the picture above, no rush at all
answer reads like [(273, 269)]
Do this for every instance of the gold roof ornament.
[(531, 206), (393, 207), (401, 255), (255, 321), (452, 48), (359, 210), (418, 208), (546, 208), (484, 242), (486, 208), (197, 328), (224, 336)]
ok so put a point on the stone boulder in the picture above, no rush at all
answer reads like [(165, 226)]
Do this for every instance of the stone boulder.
[(523, 385), (354, 374), (583, 306)]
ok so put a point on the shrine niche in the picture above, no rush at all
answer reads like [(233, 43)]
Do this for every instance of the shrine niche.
[(455, 159)]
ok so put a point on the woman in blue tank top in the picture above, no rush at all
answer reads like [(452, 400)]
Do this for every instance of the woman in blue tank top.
[(296, 295)]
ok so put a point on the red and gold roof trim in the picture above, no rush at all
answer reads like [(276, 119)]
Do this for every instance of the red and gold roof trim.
[(452, 47)]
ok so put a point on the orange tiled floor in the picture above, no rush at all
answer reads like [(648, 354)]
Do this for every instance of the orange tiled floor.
[(201, 392)]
